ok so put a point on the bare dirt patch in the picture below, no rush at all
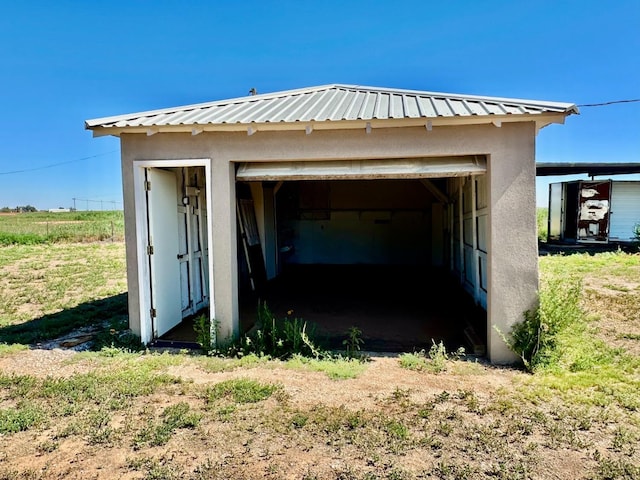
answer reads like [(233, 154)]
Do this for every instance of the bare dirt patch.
[(388, 423)]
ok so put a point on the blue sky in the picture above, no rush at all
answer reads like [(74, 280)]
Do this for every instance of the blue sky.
[(65, 62)]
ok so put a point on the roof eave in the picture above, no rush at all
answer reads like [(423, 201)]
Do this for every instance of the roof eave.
[(541, 120)]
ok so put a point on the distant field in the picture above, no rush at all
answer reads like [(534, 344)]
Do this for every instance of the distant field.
[(45, 227)]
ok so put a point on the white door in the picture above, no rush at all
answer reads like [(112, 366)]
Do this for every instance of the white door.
[(184, 261), (162, 204), (625, 211), (196, 244)]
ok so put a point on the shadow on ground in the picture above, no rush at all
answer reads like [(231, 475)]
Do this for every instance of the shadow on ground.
[(110, 310)]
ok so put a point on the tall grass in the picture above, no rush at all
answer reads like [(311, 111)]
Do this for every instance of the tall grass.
[(537, 340), (560, 334), (542, 217), (43, 227)]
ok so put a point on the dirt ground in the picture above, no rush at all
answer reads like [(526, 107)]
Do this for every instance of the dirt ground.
[(259, 441), (388, 422), (257, 454)]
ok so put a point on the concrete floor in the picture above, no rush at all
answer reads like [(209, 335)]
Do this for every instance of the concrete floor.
[(397, 309)]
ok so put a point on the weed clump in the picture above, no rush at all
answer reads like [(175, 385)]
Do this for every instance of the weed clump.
[(435, 360), (272, 338), (554, 335)]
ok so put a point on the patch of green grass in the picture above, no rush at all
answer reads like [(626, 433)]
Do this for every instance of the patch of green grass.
[(240, 390), (601, 387), (47, 291), (113, 388), (615, 264), (216, 364), (413, 361), (22, 417), (172, 418), (155, 468), (334, 368), (612, 468), (35, 228), (10, 349)]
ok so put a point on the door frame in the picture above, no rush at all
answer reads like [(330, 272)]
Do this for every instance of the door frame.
[(142, 236)]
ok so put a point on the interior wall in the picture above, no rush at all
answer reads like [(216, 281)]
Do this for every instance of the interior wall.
[(355, 222)]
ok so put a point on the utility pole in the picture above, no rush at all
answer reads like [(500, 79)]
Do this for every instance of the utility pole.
[(74, 204)]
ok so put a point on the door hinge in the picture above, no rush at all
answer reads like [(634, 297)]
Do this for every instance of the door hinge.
[(147, 185), (149, 249), (153, 313)]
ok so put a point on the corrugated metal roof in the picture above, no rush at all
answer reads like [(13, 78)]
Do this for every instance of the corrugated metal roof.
[(332, 103)]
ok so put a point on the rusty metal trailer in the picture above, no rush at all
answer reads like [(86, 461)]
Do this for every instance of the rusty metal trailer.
[(593, 211)]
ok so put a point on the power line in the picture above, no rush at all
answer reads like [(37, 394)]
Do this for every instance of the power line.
[(56, 164), (608, 103)]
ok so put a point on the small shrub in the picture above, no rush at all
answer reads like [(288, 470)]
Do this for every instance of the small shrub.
[(439, 356), (202, 329), (277, 338), (636, 234), (434, 361), (536, 339), (353, 342), (336, 368)]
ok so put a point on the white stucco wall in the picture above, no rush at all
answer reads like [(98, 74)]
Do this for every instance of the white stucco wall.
[(513, 254)]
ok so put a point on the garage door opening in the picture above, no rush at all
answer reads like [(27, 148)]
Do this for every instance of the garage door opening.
[(386, 256)]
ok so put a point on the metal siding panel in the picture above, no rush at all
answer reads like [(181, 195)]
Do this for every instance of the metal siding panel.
[(625, 209), (368, 106), (228, 114), (271, 111), (493, 108), (410, 106), (330, 110), (381, 110), (426, 107), (355, 103), (441, 107), (292, 110), (476, 108), (396, 107), (342, 108)]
